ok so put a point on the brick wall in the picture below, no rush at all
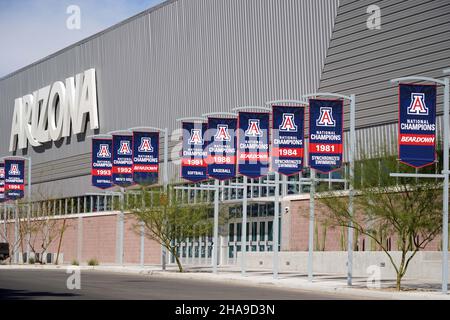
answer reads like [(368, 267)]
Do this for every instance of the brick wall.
[(299, 230)]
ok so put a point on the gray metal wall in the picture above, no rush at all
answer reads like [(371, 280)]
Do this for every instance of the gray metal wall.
[(183, 58), (414, 40)]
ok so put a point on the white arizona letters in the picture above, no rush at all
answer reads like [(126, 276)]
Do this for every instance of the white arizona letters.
[(55, 111)]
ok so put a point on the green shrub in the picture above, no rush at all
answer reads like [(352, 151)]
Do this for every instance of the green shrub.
[(31, 261), (75, 262), (93, 262)]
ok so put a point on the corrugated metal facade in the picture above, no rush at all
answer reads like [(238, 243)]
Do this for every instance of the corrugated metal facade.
[(182, 58), (414, 39)]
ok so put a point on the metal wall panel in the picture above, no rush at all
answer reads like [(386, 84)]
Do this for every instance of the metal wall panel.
[(414, 39), (182, 58)]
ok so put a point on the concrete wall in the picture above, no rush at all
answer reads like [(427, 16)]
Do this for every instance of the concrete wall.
[(425, 265)]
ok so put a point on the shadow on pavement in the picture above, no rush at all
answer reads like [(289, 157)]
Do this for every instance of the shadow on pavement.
[(9, 294)]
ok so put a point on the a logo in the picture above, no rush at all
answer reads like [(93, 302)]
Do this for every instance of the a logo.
[(196, 137), (222, 133), (326, 118), (14, 170), (124, 149), (288, 124), (103, 151), (253, 129), (146, 145), (417, 106)]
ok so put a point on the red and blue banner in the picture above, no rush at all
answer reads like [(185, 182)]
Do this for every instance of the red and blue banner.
[(326, 133), (288, 139), (253, 137), (2, 183), (14, 179), (122, 174), (417, 125), (193, 160), (101, 170), (145, 157), (221, 150)]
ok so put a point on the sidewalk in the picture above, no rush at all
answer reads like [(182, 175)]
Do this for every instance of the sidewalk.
[(414, 290)]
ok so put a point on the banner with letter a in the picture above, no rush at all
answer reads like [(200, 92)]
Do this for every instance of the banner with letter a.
[(2, 182), (193, 160), (253, 133), (221, 139), (326, 132), (101, 170), (417, 125), (288, 139), (122, 160), (145, 157), (14, 179)]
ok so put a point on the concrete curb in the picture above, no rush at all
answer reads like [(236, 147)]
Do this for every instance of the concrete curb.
[(224, 276)]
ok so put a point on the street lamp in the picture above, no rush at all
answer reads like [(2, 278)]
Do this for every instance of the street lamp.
[(215, 252), (352, 99), (445, 172), (165, 131), (277, 196), (244, 197), (16, 231)]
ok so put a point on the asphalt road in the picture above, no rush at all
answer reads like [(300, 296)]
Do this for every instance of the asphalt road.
[(51, 284)]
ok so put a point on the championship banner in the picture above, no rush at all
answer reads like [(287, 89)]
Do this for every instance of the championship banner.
[(101, 170), (288, 139), (193, 160), (145, 157), (253, 133), (417, 125), (2, 183), (221, 150), (14, 179), (326, 118), (122, 174)]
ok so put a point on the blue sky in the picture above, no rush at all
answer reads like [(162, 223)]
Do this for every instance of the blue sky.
[(33, 29)]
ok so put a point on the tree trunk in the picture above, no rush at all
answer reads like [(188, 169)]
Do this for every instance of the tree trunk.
[(180, 267), (398, 282), (60, 240)]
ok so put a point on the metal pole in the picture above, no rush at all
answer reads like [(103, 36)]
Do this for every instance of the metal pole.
[(276, 225), (121, 226), (216, 227), (165, 184), (312, 191), (351, 188), (29, 209), (142, 243), (16, 232), (445, 191), (244, 227)]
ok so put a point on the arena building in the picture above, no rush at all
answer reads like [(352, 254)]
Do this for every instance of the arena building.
[(185, 58)]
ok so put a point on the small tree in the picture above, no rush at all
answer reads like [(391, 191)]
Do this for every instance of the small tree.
[(168, 220), (406, 208)]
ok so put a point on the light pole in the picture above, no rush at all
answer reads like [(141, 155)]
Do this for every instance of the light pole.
[(244, 196), (445, 172), (215, 253), (352, 150), (121, 222), (29, 207), (275, 258), (165, 132)]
